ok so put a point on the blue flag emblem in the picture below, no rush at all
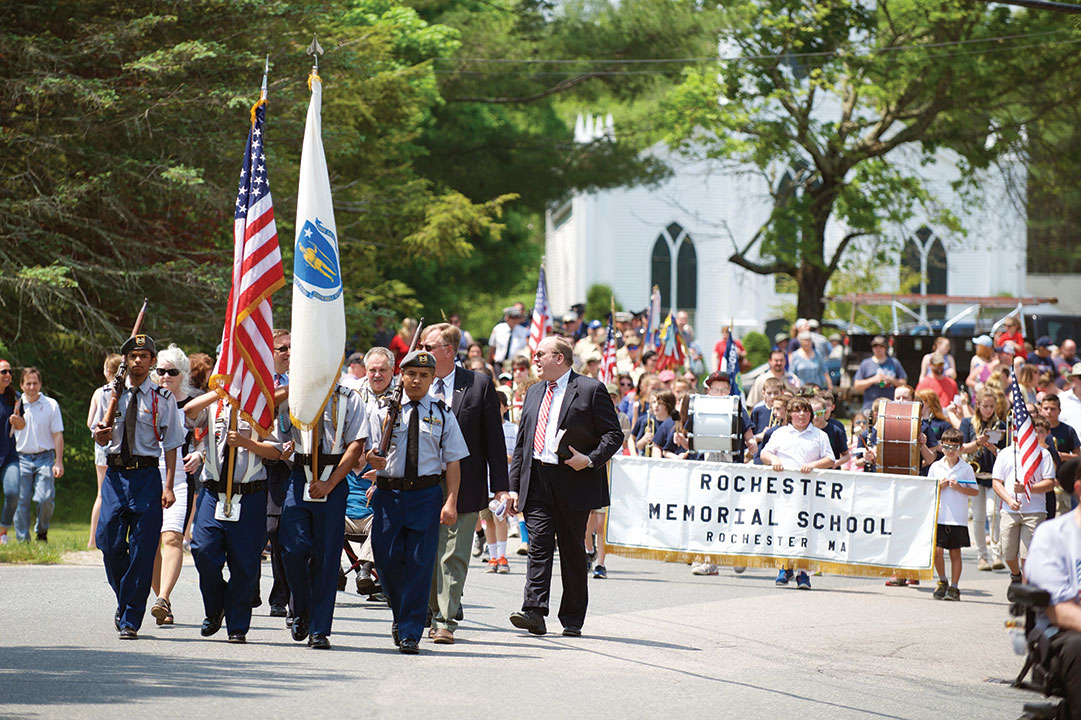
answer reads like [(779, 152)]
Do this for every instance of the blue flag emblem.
[(315, 265)]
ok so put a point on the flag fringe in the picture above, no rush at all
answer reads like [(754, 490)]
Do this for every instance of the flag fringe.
[(216, 383), (260, 101), (755, 561)]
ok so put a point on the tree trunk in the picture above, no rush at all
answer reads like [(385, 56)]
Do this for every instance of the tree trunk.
[(812, 281)]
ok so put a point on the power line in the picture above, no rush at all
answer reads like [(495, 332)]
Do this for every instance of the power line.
[(739, 58)]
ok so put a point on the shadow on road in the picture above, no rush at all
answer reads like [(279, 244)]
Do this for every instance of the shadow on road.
[(75, 675)]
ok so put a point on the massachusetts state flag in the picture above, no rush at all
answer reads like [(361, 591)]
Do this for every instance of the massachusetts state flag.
[(608, 356), (318, 325), (1024, 436), (541, 321), (243, 373)]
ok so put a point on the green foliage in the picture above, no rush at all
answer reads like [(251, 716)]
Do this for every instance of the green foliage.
[(757, 346), (844, 95), (599, 299)]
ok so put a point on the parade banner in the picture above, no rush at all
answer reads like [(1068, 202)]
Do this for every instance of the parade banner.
[(838, 522), (318, 324)]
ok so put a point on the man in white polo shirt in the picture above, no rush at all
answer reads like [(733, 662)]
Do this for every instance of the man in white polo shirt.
[(798, 446), (39, 438)]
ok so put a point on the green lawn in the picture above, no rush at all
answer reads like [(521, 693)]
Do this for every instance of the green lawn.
[(63, 537)]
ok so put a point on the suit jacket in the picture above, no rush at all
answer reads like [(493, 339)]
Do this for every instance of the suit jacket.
[(592, 428), (476, 408)]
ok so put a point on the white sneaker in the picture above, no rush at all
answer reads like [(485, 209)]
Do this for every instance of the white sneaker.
[(704, 569)]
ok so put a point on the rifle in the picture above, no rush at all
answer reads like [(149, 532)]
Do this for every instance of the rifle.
[(122, 374), (394, 409)]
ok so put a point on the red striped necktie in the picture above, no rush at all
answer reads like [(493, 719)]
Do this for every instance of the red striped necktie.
[(542, 420)]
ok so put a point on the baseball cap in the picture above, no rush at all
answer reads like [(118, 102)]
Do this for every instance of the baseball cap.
[(570, 317), (612, 388), (1043, 341), (1075, 370), (357, 358), (879, 340), (594, 324), (984, 340), (715, 376)]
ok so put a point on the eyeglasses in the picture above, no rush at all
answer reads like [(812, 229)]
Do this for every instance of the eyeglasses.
[(5, 371), (283, 348), (429, 348), (633, 347), (819, 413), (171, 372)]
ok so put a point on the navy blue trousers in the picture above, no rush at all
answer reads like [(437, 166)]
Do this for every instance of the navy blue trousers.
[(405, 533), (312, 535), (215, 543), (129, 530)]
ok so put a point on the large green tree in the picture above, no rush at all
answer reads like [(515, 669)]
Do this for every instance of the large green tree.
[(836, 90)]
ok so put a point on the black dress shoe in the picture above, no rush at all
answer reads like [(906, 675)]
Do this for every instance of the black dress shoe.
[(366, 584), (458, 615), (319, 641), (239, 638), (409, 646), (300, 628), (128, 633), (116, 620), (279, 611), (394, 634), (212, 624), (572, 631), (530, 620)]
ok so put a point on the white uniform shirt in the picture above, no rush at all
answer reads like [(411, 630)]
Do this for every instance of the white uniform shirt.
[(952, 505), (42, 420), (1004, 471), (551, 444), (1071, 410), (440, 440), (795, 449), (1054, 559)]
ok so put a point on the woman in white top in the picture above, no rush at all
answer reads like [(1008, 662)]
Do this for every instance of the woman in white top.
[(112, 365), (174, 374)]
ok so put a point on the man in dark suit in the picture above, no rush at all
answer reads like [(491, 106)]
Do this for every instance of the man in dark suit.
[(471, 397), (568, 432)]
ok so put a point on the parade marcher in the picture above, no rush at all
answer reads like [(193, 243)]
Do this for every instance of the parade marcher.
[(39, 438), (133, 495), (473, 402), (277, 477), (173, 373), (408, 499), (569, 431), (112, 364), (312, 531), (9, 456), (229, 529)]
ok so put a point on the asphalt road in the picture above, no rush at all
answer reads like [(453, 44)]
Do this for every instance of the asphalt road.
[(658, 642)]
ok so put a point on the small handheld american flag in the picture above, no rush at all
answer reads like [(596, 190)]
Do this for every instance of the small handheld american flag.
[(1026, 448), (541, 322), (608, 357)]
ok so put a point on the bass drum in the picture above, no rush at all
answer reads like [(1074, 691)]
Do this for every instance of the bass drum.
[(897, 425), (714, 423)]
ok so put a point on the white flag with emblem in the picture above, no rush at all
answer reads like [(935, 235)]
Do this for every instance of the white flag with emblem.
[(318, 325)]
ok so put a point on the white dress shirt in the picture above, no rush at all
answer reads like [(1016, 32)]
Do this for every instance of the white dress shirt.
[(42, 420), (551, 444), (795, 449), (448, 392)]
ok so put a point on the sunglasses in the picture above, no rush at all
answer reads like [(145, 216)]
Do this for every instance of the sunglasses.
[(171, 372), (429, 348), (5, 371), (633, 347), (945, 446), (283, 348)]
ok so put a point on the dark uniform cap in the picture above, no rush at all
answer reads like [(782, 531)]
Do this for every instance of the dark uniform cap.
[(419, 358), (139, 342)]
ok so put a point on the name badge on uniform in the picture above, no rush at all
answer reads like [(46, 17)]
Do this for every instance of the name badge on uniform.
[(234, 509)]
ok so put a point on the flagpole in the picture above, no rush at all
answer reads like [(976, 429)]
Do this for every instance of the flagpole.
[(231, 463)]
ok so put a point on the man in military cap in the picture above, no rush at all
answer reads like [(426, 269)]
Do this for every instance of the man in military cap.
[(407, 498), (312, 530), (133, 492)]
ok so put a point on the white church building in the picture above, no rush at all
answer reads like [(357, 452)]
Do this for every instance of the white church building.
[(680, 234)]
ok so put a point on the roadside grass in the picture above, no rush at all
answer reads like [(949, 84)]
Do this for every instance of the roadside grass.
[(63, 537)]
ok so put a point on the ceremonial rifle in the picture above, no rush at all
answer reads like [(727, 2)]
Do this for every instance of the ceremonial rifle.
[(394, 409), (122, 374)]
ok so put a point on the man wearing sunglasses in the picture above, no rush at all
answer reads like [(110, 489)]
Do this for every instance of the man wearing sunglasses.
[(472, 400), (133, 493)]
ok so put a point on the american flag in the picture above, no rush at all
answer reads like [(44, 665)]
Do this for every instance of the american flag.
[(541, 322), (1024, 437), (243, 375), (608, 357)]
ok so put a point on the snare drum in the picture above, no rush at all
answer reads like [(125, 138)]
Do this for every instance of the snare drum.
[(715, 423), (898, 427)]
